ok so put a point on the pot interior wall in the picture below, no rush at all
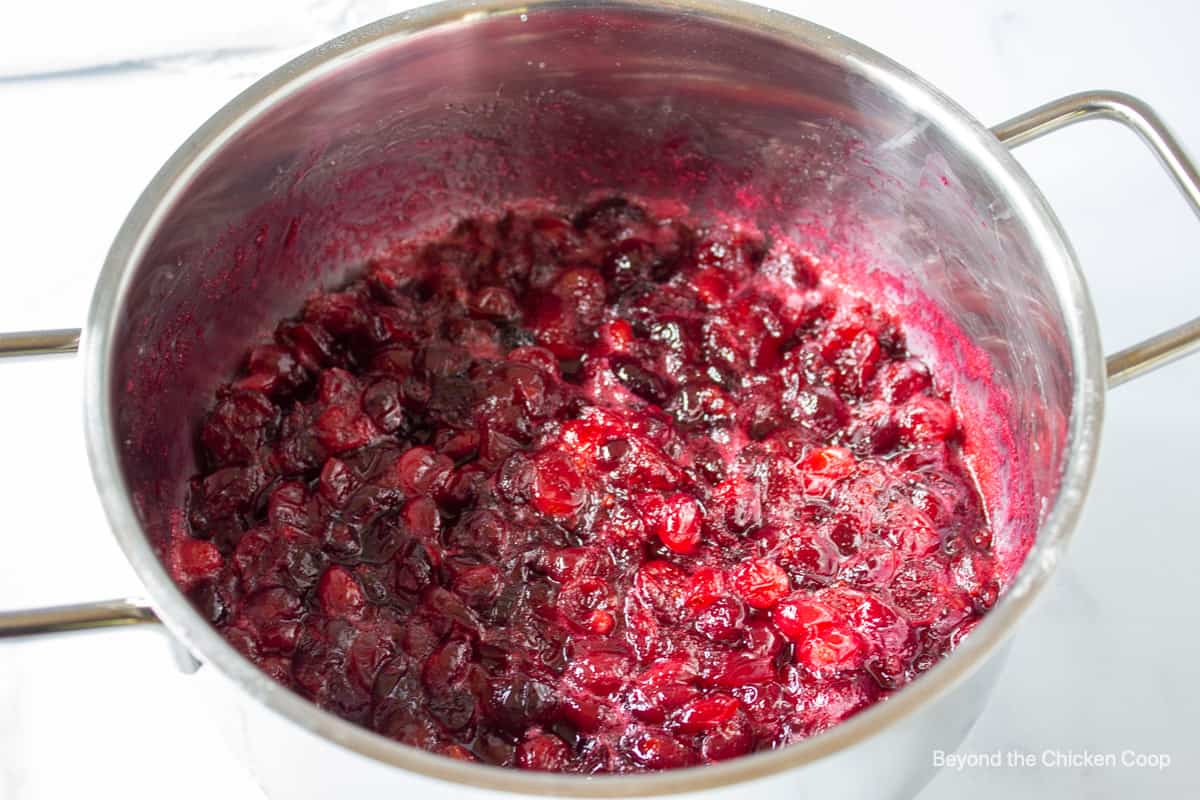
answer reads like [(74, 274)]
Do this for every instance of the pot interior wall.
[(561, 104)]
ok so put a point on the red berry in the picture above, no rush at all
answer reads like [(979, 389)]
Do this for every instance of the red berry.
[(676, 520), (421, 471), (341, 428), (544, 752), (339, 592), (706, 713), (822, 640), (588, 603), (728, 739), (600, 672), (924, 418), (558, 488), (761, 582), (192, 560), (705, 587), (658, 750)]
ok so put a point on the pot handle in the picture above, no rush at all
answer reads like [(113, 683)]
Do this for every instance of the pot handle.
[(1182, 340), (83, 616), (79, 617)]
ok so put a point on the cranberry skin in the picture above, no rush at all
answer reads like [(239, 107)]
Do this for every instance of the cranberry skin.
[(722, 621), (705, 587), (383, 403), (601, 672), (822, 640), (663, 585), (421, 471), (658, 750), (544, 752), (727, 739), (192, 560), (557, 489), (761, 582), (274, 371), (900, 380), (588, 604), (271, 617), (340, 593), (924, 418), (740, 502), (676, 520), (706, 713), (241, 423), (824, 466), (662, 688)]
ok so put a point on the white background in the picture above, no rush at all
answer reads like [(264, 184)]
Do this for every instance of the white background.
[(1107, 661)]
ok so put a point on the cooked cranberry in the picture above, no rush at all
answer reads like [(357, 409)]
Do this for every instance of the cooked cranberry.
[(273, 371), (728, 738), (241, 423), (761, 582), (340, 594), (640, 381), (593, 494), (544, 752), (588, 604), (822, 640), (722, 621), (924, 417), (601, 672), (702, 715), (193, 560), (676, 520), (658, 750), (705, 587)]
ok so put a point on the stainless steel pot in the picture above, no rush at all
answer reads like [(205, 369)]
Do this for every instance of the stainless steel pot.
[(461, 106)]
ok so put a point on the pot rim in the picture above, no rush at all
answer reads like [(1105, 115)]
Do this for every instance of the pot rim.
[(201, 638)]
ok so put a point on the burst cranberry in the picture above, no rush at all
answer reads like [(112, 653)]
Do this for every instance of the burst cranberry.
[(543, 752), (588, 603), (558, 489), (925, 418), (658, 750), (728, 738), (340, 594), (422, 471), (192, 560), (273, 371), (706, 586), (822, 640), (676, 520), (595, 494), (701, 715), (761, 582)]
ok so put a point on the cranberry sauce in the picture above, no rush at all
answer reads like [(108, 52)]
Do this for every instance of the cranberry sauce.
[(604, 493)]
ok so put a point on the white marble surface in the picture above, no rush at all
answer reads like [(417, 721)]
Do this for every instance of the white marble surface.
[(1106, 663)]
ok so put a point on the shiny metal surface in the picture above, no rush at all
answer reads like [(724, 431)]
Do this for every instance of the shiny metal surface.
[(463, 106), (1131, 112), (81, 617), (39, 343)]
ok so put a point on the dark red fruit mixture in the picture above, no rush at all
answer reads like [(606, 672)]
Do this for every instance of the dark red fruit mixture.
[(604, 493)]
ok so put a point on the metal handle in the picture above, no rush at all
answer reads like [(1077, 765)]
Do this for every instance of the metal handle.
[(1131, 112), (83, 616), (39, 343)]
